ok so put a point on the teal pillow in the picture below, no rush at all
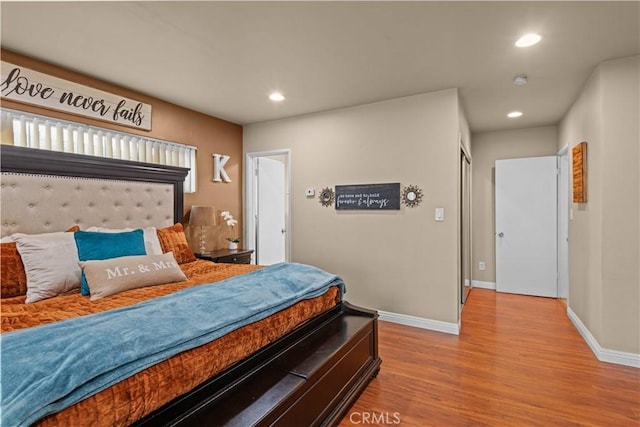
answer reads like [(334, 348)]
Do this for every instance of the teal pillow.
[(95, 246)]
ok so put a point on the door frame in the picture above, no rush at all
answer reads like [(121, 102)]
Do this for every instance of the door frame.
[(465, 287), (251, 198), (563, 215)]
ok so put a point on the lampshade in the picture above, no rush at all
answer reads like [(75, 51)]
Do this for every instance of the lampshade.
[(202, 216)]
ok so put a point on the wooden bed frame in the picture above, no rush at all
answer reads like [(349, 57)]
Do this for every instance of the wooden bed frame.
[(311, 376)]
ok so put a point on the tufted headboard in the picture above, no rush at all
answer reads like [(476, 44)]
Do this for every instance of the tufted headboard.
[(43, 191)]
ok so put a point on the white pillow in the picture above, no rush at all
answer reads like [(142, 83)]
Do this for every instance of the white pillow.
[(50, 262), (151, 242)]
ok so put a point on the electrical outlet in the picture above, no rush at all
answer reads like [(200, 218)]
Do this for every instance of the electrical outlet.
[(482, 265)]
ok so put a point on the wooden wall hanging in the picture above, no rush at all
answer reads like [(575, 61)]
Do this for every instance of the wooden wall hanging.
[(579, 156)]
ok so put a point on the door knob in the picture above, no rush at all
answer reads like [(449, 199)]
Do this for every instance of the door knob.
[(500, 234)]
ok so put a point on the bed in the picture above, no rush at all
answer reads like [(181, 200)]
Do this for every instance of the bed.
[(299, 362)]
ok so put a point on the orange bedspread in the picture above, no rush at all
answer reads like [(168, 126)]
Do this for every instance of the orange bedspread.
[(148, 390), (17, 315)]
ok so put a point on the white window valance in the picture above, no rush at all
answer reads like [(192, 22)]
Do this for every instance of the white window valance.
[(46, 133)]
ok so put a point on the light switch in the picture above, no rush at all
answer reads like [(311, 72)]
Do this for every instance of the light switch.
[(310, 192), (439, 214)]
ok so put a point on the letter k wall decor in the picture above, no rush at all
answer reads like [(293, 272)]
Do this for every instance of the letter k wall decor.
[(219, 174)]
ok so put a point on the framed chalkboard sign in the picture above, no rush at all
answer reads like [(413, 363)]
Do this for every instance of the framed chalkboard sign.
[(368, 197)]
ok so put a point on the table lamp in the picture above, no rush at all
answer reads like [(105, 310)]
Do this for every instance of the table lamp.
[(202, 216)]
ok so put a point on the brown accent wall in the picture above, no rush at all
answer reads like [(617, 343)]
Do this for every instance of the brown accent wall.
[(172, 123)]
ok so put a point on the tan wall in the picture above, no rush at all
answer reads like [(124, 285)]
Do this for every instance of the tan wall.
[(465, 132), (397, 261), (487, 148), (583, 122), (172, 123), (604, 235), (621, 205)]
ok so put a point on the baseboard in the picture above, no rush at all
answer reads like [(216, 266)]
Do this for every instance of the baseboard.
[(420, 322), (603, 354), (483, 285)]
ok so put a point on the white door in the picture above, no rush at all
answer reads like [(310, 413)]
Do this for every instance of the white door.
[(270, 229), (526, 226)]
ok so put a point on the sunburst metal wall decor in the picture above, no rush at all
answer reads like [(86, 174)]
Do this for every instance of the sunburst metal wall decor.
[(411, 196), (327, 196)]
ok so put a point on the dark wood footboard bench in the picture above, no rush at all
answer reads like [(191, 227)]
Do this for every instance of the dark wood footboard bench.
[(309, 377)]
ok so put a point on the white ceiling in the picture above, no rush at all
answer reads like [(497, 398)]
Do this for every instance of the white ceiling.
[(224, 58)]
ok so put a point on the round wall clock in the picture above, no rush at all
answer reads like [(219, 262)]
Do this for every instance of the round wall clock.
[(327, 196), (411, 196)]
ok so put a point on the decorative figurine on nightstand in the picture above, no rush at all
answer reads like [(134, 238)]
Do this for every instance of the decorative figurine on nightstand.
[(231, 222)]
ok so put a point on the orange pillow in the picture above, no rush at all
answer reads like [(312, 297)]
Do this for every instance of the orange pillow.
[(13, 279), (173, 239)]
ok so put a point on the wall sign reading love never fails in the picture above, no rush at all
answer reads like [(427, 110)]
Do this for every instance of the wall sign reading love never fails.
[(32, 87)]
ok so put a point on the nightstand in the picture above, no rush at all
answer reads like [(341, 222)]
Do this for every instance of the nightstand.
[(237, 256)]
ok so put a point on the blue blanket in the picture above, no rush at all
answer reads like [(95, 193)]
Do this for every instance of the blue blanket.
[(50, 367)]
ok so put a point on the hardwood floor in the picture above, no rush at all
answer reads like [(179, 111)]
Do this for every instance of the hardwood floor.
[(518, 361)]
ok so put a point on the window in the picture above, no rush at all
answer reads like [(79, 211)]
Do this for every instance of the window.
[(46, 133)]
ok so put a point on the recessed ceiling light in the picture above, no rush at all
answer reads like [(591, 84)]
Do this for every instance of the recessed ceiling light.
[(528, 40), (520, 80), (276, 96), (514, 114)]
